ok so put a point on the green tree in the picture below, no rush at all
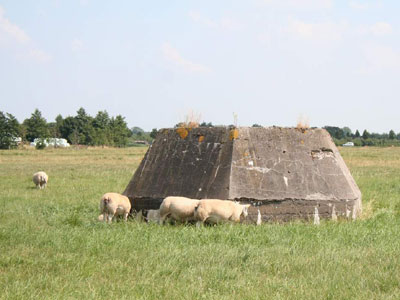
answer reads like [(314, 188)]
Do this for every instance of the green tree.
[(365, 135), (36, 126), (51, 126), (335, 132), (9, 130), (120, 131), (153, 133), (101, 125), (137, 131), (392, 135), (58, 124), (357, 134), (68, 130), (78, 129), (347, 131), (84, 127), (205, 124)]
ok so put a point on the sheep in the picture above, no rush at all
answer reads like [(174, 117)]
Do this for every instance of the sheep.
[(214, 211), (178, 208), (113, 205), (40, 179)]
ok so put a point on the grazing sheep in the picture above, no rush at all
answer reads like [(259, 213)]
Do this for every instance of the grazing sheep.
[(113, 205), (178, 208), (215, 211), (40, 179)]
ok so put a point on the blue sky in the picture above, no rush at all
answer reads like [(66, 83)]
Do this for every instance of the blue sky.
[(271, 62)]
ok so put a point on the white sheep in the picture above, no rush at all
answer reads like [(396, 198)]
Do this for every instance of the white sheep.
[(215, 211), (113, 205), (178, 208), (40, 179)]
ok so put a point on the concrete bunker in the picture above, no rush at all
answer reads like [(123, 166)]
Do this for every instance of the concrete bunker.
[(286, 173)]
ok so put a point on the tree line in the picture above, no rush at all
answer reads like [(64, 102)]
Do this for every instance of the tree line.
[(80, 129), (345, 134), (103, 130)]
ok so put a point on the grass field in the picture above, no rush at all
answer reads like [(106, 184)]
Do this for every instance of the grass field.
[(53, 247)]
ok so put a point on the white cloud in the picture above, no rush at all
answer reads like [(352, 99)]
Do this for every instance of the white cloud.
[(381, 28), (77, 45), (382, 57), (327, 31), (225, 23), (174, 56), (11, 30), (16, 38), (300, 4), (39, 55), (377, 29)]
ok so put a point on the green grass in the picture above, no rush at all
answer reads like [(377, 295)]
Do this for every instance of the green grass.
[(53, 247)]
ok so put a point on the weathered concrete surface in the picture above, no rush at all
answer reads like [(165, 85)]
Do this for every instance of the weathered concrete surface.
[(287, 173), (194, 164)]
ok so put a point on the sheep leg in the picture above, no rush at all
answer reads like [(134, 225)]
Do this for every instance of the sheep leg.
[(105, 217), (110, 217), (126, 216), (161, 220)]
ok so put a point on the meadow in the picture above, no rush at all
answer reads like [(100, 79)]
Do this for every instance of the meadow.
[(53, 247)]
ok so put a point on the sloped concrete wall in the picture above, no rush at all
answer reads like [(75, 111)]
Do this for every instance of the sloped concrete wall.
[(191, 163), (289, 172), (286, 173)]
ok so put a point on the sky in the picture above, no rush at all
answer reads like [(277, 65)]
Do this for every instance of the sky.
[(270, 62)]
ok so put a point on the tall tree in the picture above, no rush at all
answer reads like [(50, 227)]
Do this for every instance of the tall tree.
[(59, 124), (119, 131), (137, 131), (357, 134), (68, 130), (101, 125), (84, 127), (392, 135), (153, 133), (205, 124), (36, 126), (9, 130), (335, 132), (365, 134), (347, 131)]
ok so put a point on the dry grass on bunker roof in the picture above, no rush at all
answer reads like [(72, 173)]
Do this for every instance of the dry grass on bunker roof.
[(52, 247)]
